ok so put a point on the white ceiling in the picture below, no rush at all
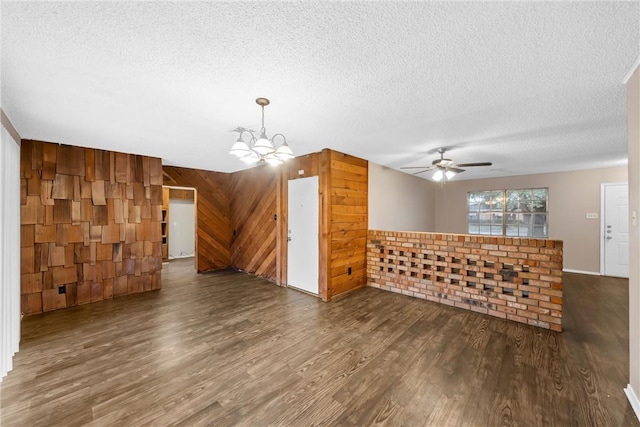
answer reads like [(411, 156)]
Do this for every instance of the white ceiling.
[(532, 87)]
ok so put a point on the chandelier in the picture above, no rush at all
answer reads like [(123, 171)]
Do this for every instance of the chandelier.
[(261, 149)]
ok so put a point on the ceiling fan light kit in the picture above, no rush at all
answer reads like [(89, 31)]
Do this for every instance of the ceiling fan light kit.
[(261, 149), (445, 169)]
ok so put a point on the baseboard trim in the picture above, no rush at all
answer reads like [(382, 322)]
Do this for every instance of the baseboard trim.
[(590, 273), (633, 400)]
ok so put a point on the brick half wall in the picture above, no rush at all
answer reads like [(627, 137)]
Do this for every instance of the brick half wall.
[(518, 279)]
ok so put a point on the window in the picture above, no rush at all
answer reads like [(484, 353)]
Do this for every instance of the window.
[(520, 213)]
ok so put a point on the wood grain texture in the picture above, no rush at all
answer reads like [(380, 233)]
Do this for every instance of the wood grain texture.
[(232, 349), (253, 206), (348, 204), (213, 227), (73, 226)]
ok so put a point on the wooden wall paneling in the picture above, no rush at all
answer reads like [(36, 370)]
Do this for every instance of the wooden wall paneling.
[(253, 206), (62, 212), (46, 192), (85, 190), (70, 160), (76, 212), (33, 185), (23, 191), (100, 215), (155, 171), (76, 189), (348, 223), (45, 233), (97, 193), (37, 156), (103, 165), (213, 223), (29, 211), (56, 256), (121, 168), (47, 219), (83, 293), (27, 261), (325, 225), (31, 283), (146, 178), (281, 228), (41, 257), (181, 194), (26, 159), (89, 165), (74, 222), (71, 294), (52, 300), (49, 153), (27, 236)]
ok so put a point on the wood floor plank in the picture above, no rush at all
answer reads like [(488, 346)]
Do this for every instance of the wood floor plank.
[(228, 348)]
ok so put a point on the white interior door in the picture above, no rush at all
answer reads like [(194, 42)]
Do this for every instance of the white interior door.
[(303, 241), (616, 230)]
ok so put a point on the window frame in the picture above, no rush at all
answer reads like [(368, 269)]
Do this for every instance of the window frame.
[(505, 213)]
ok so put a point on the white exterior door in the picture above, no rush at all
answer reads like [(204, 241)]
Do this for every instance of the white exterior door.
[(303, 240), (615, 223)]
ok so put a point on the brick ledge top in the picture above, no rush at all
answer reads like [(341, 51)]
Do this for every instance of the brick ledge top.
[(471, 238)]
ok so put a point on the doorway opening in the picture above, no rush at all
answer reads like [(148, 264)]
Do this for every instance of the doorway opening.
[(179, 219)]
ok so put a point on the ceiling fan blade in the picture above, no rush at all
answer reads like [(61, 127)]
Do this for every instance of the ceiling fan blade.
[(456, 170), (422, 171), (417, 167), (466, 165)]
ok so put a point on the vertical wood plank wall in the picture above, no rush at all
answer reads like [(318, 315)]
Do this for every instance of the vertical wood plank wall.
[(253, 194), (90, 221), (347, 221), (214, 232)]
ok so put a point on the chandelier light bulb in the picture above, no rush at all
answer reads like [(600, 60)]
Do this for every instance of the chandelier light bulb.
[(261, 149)]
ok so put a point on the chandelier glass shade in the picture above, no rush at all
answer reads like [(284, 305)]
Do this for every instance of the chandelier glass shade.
[(439, 175), (261, 149)]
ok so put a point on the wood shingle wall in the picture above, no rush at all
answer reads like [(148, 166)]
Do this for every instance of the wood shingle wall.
[(90, 225)]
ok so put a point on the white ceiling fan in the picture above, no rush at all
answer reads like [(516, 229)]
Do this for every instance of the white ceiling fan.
[(445, 169)]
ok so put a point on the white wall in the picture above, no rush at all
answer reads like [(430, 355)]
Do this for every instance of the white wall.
[(182, 228), (399, 201), (633, 135), (9, 248), (572, 195)]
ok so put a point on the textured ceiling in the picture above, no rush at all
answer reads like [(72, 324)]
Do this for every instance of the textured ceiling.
[(532, 87)]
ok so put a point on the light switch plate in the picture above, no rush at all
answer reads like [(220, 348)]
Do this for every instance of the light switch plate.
[(592, 215), (300, 171)]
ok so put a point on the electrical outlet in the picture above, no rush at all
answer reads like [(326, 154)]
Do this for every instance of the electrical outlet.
[(62, 289), (300, 171)]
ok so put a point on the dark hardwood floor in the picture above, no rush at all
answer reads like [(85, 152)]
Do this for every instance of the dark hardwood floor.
[(231, 349)]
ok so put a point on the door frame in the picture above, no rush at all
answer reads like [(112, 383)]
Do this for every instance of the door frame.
[(603, 187), (195, 213), (317, 214)]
